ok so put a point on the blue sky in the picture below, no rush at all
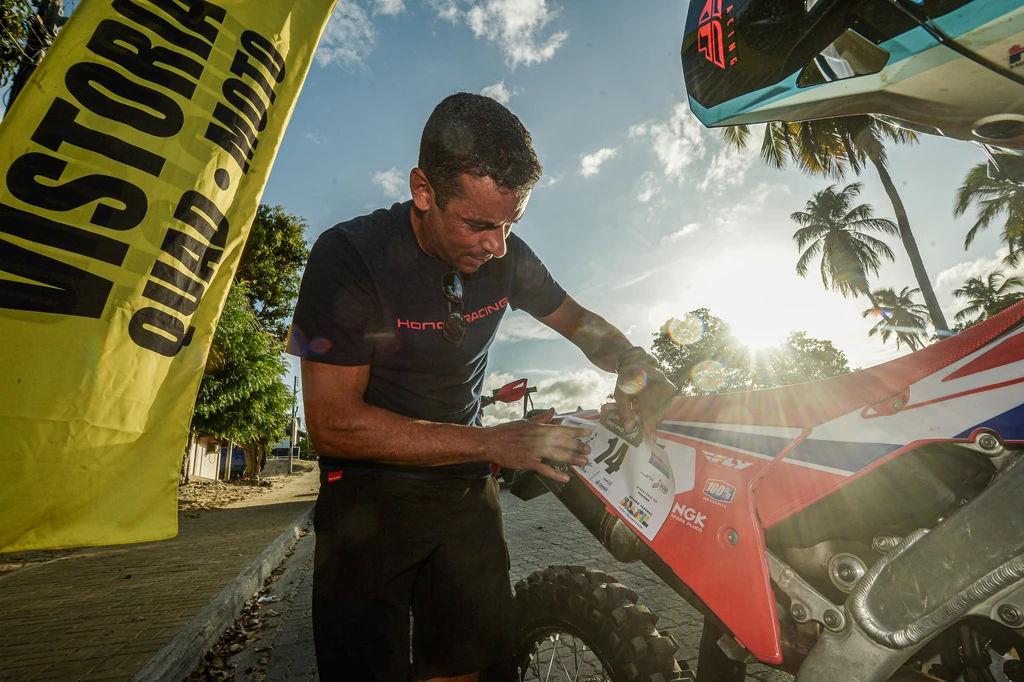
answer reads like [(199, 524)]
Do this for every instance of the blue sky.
[(642, 214)]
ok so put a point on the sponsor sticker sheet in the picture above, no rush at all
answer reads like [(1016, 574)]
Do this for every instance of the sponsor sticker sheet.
[(640, 481)]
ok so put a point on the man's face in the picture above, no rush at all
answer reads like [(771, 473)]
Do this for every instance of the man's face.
[(473, 227)]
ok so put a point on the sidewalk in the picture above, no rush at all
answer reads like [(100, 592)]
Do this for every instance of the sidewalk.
[(103, 614)]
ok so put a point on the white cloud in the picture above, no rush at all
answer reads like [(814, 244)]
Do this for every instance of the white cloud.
[(447, 9), (729, 166), (677, 142), (500, 92), (586, 388), (954, 277), (636, 279), (389, 7), (394, 184), (735, 216), (348, 37), (590, 164), (680, 233), (649, 186), (516, 26), (519, 326)]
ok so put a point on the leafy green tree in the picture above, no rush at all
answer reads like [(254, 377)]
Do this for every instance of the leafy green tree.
[(26, 50), (987, 296), (799, 359), (992, 199), (242, 397), (15, 16), (717, 363), (835, 230), (900, 315), (680, 355), (271, 267), (834, 146)]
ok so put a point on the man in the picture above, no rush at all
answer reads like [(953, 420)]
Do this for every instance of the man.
[(395, 316)]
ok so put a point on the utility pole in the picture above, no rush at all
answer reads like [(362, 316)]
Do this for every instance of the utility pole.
[(292, 434), (48, 17), (227, 461)]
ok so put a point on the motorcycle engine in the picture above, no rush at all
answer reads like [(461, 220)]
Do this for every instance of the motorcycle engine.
[(832, 543)]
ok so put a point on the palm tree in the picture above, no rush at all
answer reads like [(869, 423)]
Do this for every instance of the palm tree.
[(833, 228), (988, 296), (993, 198), (834, 146), (901, 315)]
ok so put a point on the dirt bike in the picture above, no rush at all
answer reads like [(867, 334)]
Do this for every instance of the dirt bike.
[(866, 527)]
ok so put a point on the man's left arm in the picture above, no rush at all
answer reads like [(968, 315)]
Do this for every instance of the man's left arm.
[(640, 389)]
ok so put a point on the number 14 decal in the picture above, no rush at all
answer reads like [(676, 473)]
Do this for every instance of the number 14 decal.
[(614, 462)]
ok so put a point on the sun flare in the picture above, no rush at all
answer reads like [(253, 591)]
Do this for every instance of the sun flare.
[(757, 329)]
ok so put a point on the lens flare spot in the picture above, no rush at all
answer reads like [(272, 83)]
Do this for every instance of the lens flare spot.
[(709, 375), (686, 331), (632, 379), (320, 345)]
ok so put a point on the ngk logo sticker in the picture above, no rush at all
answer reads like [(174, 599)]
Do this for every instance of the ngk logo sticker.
[(689, 516), (727, 462), (719, 492)]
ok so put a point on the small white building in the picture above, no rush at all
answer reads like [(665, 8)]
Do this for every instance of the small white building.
[(205, 457)]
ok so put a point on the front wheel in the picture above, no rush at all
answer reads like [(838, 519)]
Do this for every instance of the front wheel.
[(578, 624)]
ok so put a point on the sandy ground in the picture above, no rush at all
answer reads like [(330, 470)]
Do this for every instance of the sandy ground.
[(195, 498), (202, 494)]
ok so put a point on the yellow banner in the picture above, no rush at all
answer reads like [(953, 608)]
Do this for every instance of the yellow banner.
[(132, 165)]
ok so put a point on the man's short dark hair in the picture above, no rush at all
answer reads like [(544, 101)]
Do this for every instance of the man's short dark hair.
[(477, 135)]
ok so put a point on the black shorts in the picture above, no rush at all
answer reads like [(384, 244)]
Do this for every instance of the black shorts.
[(385, 545)]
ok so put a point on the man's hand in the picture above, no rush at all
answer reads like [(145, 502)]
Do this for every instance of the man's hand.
[(641, 391), (522, 444)]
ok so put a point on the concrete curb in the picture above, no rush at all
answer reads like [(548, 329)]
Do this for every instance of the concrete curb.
[(184, 652)]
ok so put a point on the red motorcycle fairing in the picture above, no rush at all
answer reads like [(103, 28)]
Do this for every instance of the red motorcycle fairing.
[(761, 457)]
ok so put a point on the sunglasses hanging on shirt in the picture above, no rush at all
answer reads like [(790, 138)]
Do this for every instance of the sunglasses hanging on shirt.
[(454, 326)]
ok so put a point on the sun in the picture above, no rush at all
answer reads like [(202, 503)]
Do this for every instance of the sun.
[(758, 309), (758, 329)]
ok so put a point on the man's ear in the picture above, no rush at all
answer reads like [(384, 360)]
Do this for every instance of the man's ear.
[(422, 192)]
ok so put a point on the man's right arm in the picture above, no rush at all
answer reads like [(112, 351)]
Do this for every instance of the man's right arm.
[(342, 424)]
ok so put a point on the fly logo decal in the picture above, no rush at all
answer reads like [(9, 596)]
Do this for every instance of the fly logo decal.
[(715, 35), (689, 516), (719, 491), (727, 462)]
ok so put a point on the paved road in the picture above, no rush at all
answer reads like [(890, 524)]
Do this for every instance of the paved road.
[(540, 533)]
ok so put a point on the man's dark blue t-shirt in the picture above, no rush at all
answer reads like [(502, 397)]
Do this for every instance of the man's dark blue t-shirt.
[(371, 296)]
